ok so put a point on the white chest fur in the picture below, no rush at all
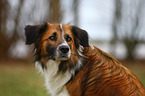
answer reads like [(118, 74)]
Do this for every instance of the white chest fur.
[(55, 81)]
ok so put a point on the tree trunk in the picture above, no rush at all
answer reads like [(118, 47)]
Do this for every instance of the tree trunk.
[(4, 42), (75, 9), (55, 12), (116, 21)]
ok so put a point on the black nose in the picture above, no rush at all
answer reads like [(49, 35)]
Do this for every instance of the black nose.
[(64, 49)]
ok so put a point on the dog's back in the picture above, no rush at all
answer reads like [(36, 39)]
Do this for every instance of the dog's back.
[(103, 75)]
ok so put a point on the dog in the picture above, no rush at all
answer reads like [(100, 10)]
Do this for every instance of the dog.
[(73, 67)]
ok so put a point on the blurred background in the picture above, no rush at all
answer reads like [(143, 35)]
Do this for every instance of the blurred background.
[(115, 26)]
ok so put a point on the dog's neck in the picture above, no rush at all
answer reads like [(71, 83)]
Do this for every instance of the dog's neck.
[(55, 81)]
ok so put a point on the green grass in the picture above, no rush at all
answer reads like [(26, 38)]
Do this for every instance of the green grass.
[(21, 80), (139, 71)]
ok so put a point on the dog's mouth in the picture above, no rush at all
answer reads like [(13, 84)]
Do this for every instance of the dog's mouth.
[(63, 57), (60, 57)]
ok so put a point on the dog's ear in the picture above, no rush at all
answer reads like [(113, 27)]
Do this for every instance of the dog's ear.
[(81, 37), (33, 32)]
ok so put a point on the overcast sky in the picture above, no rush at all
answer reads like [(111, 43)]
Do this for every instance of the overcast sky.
[(94, 17)]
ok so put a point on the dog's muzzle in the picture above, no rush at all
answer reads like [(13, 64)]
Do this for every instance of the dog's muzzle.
[(64, 49), (63, 52)]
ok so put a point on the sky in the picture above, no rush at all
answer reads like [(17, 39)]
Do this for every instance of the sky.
[(97, 18), (94, 17)]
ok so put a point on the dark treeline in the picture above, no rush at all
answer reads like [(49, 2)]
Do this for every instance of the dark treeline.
[(14, 17)]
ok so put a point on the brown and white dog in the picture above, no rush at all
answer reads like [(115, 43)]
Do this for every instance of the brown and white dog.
[(73, 67)]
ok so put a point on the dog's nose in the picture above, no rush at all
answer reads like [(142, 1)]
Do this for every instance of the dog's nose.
[(64, 49)]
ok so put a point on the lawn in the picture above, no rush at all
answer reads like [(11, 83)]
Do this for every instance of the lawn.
[(138, 68), (24, 80), (21, 80)]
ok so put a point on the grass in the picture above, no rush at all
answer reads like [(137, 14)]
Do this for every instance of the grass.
[(138, 70), (24, 80), (21, 80)]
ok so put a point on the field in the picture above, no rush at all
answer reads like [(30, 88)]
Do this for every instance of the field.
[(24, 80), (21, 80)]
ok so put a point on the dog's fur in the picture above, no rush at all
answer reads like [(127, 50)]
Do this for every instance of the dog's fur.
[(73, 67)]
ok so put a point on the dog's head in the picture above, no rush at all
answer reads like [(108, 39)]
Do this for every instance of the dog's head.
[(56, 41)]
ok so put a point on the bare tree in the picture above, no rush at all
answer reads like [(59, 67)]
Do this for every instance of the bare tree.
[(20, 16), (55, 12), (4, 42), (127, 24), (16, 36), (131, 40), (75, 11), (116, 20)]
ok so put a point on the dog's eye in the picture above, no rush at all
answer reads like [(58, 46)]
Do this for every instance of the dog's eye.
[(52, 38), (68, 39)]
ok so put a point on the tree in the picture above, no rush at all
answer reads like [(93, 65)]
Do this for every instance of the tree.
[(75, 10), (127, 24), (116, 20), (4, 42), (55, 12), (20, 17)]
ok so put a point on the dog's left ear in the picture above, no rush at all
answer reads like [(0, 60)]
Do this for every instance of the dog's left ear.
[(33, 32), (81, 37)]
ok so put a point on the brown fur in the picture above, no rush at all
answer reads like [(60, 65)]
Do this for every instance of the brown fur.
[(54, 28), (50, 30), (100, 73), (103, 75)]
